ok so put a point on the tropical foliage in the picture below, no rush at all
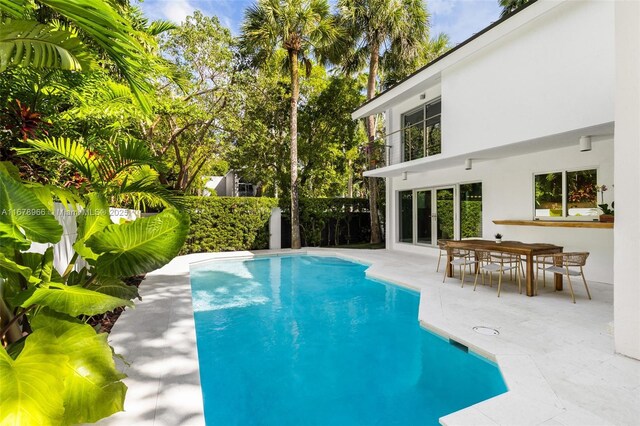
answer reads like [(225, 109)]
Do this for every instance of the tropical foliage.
[(100, 107), (54, 368), (301, 28), (62, 372), (509, 6), (383, 36)]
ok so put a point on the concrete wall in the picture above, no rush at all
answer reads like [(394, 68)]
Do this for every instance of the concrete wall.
[(508, 193), (627, 175)]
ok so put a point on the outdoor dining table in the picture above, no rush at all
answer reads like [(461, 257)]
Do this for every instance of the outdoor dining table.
[(528, 250)]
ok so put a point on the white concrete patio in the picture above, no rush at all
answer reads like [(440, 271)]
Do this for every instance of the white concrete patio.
[(556, 357)]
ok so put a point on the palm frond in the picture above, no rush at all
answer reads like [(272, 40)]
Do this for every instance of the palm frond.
[(31, 44), (160, 26), (142, 188), (85, 161), (13, 8), (114, 35), (119, 157)]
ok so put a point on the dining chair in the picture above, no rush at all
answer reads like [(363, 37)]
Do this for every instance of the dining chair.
[(509, 258), (570, 264), (462, 259), (500, 263), (542, 262), (442, 245)]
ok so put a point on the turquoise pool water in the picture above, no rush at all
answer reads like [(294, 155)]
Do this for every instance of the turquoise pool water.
[(304, 340)]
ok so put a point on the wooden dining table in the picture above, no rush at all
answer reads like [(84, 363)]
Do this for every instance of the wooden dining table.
[(527, 250)]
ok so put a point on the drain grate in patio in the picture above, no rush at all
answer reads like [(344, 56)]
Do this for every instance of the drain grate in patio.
[(487, 331)]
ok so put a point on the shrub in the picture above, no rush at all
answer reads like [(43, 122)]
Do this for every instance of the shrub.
[(227, 223), (330, 221)]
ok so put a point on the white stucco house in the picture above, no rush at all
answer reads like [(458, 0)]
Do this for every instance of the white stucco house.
[(518, 127), (229, 185)]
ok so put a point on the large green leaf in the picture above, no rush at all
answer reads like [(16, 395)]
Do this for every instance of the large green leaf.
[(9, 266), (40, 264), (35, 45), (140, 246), (49, 194), (92, 386), (30, 385), (64, 374), (95, 217), (21, 211), (74, 300), (114, 287)]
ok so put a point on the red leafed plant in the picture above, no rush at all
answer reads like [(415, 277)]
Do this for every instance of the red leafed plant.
[(21, 120)]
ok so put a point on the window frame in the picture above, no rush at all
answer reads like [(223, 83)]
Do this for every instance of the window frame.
[(564, 217), (457, 217), (424, 107)]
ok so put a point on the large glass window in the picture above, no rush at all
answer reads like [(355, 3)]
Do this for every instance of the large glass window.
[(566, 194), (433, 134), (413, 135), (406, 216), (582, 193), (424, 217), (445, 222), (471, 210), (421, 135)]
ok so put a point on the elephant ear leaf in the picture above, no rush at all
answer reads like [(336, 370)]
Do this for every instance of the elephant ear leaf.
[(114, 287), (30, 391), (74, 300), (95, 217), (92, 385), (22, 212), (140, 246)]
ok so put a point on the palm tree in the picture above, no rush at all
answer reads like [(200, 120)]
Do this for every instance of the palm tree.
[(374, 27), (301, 28), (396, 64), (509, 6)]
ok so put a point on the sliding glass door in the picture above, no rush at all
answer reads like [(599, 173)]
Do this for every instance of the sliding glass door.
[(406, 216), (430, 214), (445, 217), (424, 217)]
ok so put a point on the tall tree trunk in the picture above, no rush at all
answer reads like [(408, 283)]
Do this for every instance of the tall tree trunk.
[(295, 214), (350, 182), (376, 234)]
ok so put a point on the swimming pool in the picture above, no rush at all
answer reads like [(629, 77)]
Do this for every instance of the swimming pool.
[(309, 340)]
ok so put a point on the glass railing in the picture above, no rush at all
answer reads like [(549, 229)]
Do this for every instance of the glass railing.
[(407, 144)]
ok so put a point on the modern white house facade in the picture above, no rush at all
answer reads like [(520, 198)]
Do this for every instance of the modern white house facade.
[(515, 132)]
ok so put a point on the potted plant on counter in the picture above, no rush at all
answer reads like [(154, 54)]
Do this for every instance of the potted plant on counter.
[(498, 238), (607, 212)]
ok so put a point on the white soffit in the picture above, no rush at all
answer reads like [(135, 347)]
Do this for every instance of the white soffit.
[(442, 161)]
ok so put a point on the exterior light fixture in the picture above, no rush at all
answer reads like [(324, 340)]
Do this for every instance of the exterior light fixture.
[(467, 164), (404, 175), (422, 96), (585, 143)]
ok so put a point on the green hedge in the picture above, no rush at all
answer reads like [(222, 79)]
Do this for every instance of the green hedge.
[(470, 218), (330, 221), (227, 223)]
